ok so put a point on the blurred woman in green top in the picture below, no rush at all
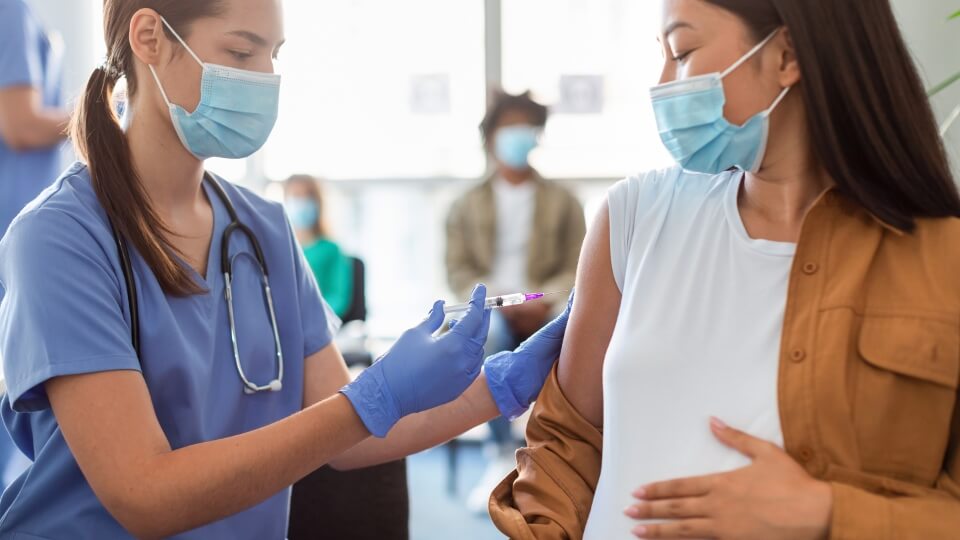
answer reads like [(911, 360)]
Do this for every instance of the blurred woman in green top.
[(333, 270)]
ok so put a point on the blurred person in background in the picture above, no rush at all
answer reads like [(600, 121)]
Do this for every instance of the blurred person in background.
[(32, 119), (32, 124), (516, 232), (303, 200)]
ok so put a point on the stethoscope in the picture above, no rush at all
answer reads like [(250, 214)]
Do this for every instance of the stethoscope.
[(226, 264)]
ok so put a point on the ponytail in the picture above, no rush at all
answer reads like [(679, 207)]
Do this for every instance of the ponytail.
[(101, 142)]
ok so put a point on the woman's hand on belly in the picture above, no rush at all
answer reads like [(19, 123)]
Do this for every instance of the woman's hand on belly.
[(772, 499)]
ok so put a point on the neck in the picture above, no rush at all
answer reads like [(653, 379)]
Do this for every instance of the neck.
[(306, 237), (791, 178), (783, 197), (170, 175), (515, 176)]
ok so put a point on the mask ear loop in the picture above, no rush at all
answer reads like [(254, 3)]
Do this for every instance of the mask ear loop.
[(160, 86), (750, 54), (185, 46), (777, 101), (766, 129), (182, 42)]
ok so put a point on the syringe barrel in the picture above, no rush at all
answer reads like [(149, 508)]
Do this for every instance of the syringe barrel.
[(495, 302)]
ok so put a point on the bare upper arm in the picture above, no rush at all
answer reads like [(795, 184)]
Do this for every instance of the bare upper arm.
[(110, 425), (592, 320)]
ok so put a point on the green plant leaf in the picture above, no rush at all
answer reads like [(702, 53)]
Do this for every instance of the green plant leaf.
[(954, 16), (944, 85)]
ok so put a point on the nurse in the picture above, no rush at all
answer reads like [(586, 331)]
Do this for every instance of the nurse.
[(32, 118), (32, 122), (168, 355)]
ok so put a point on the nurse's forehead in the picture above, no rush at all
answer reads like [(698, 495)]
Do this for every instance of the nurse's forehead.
[(260, 22)]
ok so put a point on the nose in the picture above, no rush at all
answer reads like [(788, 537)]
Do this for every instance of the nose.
[(668, 73)]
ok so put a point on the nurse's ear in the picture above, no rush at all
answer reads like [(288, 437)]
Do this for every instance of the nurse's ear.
[(146, 37), (789, 68)]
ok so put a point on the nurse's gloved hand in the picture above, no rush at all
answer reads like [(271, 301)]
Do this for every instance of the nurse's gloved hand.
[(516, 378), (421, 371)]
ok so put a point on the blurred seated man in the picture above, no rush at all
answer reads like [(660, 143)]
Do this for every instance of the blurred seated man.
[(515, 232)]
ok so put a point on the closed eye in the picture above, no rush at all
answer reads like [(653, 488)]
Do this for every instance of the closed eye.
[(240, 55)]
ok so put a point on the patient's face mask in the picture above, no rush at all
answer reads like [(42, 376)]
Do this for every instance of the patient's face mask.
[(513, 145), (690, 117), (236, 113), (303, 212)]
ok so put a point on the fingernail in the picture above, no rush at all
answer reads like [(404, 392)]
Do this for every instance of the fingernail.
[(717, 423), (632, 512), (640, 493), (640, 530)]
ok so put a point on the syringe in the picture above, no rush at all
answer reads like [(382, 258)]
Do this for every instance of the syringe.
[(497, 302)]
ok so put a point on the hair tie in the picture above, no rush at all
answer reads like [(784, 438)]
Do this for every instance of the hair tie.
[(112, 72)]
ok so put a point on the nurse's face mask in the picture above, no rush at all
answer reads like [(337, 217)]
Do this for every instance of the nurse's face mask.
[(689, 114), (236, 113)]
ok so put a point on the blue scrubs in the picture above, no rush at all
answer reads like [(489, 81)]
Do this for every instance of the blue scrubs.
[(26, 59), (63, 310)]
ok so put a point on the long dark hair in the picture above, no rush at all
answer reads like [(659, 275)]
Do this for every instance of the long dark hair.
[(101, 142), (869, 117)]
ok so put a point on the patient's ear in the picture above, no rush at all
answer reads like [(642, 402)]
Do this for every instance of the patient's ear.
[(789, 73)]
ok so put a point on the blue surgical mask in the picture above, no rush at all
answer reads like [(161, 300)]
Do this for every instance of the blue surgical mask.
[(513, 144), (236, 113), (690, 117), (303, 213)]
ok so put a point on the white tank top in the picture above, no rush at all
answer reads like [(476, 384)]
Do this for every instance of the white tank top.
[(698, 335)]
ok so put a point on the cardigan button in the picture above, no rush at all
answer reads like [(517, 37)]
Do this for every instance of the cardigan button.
[(811, 268), (805, 455), (798, 355)]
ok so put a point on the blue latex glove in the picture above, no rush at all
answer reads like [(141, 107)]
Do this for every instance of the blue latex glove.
[(421, 371), (516, 378)]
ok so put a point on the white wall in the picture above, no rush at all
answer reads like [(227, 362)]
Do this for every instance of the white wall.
[(404, 249), (935, 43), (79, 27), (75, 26)]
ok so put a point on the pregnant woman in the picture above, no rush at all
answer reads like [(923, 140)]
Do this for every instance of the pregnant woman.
[(765, 342)]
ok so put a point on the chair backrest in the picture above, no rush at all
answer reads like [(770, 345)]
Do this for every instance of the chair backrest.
[(358, 301), (365, 504)]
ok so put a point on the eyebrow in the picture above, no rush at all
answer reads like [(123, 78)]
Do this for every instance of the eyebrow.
[(256, 39), (676, 25)]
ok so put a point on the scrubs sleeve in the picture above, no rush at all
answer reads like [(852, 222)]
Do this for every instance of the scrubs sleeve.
[(62, 310), (20, 61), (319, 321)]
